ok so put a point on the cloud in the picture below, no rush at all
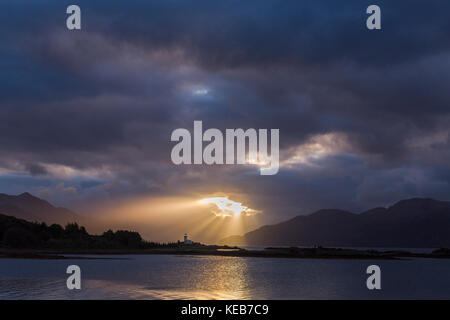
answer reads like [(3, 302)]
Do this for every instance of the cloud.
[(224, 207), (360, 113)]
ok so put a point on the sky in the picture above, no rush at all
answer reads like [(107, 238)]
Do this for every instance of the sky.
[(87, 115)]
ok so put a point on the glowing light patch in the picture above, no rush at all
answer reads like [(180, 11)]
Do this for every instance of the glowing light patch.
[(227, 207), (200, 92)]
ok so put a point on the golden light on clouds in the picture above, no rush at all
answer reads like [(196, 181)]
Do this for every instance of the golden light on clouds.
[(316, 147), (227, 208)]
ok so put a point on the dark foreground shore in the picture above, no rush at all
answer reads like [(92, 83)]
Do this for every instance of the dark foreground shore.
[(271, 252)]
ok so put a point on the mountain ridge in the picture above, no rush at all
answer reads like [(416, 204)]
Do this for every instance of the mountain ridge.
[(415, 222), (28, 207)]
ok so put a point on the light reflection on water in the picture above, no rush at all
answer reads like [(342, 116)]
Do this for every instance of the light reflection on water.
[(49, 289), (140, 277), (214, 277)]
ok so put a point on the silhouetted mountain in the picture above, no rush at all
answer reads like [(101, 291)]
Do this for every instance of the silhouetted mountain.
[(408, 223), (31, 208)]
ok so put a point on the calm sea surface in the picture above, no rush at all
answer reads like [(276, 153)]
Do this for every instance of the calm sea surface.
[(211, 277)]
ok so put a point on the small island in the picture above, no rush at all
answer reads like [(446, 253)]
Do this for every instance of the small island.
[(33, 240)]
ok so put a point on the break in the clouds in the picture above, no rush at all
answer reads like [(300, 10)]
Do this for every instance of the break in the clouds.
[(363, 116)]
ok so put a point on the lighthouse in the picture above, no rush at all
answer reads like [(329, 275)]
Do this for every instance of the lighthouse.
[(186, 240)]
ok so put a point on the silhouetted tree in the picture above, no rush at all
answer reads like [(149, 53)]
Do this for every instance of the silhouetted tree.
[(19, 233), (109, 235), (72, 230), (18, 237), (56, 231)]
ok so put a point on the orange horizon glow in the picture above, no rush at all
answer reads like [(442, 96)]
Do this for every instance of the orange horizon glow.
[(166, 219)]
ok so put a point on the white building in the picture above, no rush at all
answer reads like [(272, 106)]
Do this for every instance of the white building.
[(186, 240)]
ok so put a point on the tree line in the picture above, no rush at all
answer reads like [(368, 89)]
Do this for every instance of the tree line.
[(18, 233)]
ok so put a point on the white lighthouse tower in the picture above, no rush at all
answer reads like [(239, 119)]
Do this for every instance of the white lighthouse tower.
[(186, 240)]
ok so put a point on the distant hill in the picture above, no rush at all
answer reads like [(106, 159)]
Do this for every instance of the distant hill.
[(28, 207), (409, 223)]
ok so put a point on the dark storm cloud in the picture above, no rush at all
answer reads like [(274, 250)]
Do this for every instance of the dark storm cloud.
[(235, 34), (106, 98), (36, 169)]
